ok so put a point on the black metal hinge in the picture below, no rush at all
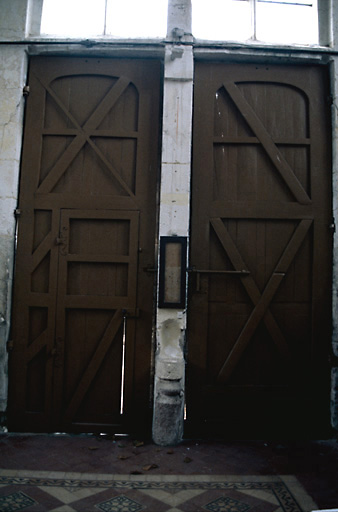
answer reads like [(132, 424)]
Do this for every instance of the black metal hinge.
[(26, 90), (332, 226)]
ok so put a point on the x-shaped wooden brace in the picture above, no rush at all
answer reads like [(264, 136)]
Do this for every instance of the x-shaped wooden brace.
[(83, 136), (260, 300), (267, 142)]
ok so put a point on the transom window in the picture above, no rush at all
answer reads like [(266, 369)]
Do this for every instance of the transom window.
[(270, 21), (92, 18)]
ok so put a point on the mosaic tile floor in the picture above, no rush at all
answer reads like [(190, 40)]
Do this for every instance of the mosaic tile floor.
[(40, 491)]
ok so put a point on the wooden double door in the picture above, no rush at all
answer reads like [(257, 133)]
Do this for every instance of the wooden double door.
[(83, 300), (260, 269), (260, 277)]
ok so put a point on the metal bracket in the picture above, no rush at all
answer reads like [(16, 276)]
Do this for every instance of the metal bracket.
[(149, 268), (176, 53), (26, 90)]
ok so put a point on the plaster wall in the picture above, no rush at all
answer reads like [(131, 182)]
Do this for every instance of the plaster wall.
[(13, 64)]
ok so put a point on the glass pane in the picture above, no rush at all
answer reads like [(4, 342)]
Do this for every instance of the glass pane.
[(295, 2), (136, 18), (172, 273), (73, 18), (221, 19), (287, 24)]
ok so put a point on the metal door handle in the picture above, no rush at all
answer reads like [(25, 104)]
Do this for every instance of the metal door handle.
[(198, 272), (234, 272)]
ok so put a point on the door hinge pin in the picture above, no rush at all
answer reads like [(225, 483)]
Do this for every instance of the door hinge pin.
[(26, 90), (332, 226), (17, 212)]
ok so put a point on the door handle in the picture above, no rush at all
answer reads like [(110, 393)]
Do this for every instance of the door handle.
[(230, 272), (198, 272)]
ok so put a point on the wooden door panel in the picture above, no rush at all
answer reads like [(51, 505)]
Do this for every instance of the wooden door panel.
[(82, 302), (96, 288), (260, 249), (92, 366)]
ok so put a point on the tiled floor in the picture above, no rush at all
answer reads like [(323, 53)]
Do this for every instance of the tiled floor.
[(72, 492), (92, 473)]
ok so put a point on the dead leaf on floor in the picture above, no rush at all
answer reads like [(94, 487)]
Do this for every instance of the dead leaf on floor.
[(123, 457), (93, 447), (149, 466), (187, 460), (138, 443), (170, 452)]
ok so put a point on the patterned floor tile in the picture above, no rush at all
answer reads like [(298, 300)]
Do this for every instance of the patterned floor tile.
[(120, 504), (228, 500), (175, 498), (70, 494), (15, 501), (226, 504), (266, 495)]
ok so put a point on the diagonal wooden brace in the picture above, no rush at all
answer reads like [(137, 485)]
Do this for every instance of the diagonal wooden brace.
[(260, 301)]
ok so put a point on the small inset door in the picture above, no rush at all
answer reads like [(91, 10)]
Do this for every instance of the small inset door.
[(259, 312), (82, 317), (95, 316)]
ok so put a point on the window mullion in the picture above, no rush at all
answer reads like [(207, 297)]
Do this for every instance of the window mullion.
[(253, 10), (105, 17)]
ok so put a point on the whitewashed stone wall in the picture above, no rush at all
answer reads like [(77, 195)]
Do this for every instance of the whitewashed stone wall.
[(12, 79)]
